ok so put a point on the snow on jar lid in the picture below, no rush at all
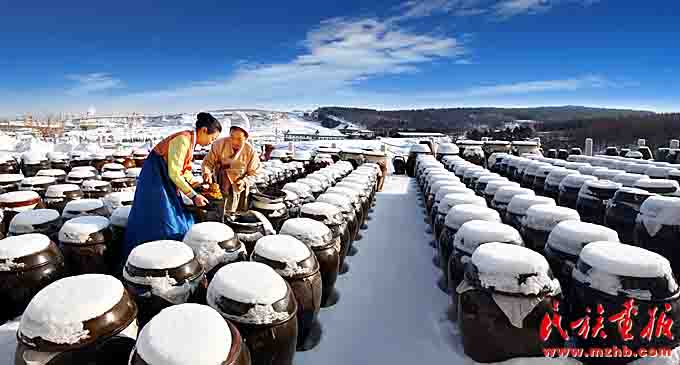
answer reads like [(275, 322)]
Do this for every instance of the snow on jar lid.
[(638, 168), (100, 156), (341, 201), (493, 186), (487, 178), (185, 334), (462, 213), (79, 229), (265, 290), (122, 153), (505, 193), (11, 178), (451, 189), (543, 171), (60, 190), (451, 200), (140, 152), (314, 185), (420, 148), (310, 232), (544, 217), (513, 269), (448, 149), (110, 175), (476, 232), (118, 199), (52, 173), (469, 172), (81, 174), (322, 179), (519, 204), (587, 170), (659, 172), (214, 243), (361, 189), (301, 155), (37, 180), (659, 211), (350, 193), (602, 265), (290, 196), (14, 247), (19, 199), (58, 312), (628, 179), (94, 185), (302, 190), (76, 207), (533, 167), (133, 172), (435, 186), (33, 157), (575, 165), (607, 174), (279, 154), (658, 186), (576, 180), (296, 257), (599, 189), (24, 222), (634, 154), (330, 214), (556, 175), (571, 236), (119, 218), (160, 255)]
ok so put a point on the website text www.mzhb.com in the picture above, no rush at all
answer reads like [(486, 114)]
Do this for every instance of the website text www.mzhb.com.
[(614, 351)]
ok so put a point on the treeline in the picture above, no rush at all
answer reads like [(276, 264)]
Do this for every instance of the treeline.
[(656, 129), (507, 134), (456, 118)]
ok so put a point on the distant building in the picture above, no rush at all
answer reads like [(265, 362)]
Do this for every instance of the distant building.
[(289, 136)]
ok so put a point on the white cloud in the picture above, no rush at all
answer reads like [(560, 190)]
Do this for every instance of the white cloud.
[(92, 82), (506, 9)]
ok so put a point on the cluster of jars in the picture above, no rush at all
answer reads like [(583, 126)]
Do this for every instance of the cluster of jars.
[(513, 252)]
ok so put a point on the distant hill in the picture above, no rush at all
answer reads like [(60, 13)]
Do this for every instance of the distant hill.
[(457, 118)]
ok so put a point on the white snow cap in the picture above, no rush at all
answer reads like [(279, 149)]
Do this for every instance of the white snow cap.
[(586, 189), (18, 197), (520, 203), (92, 185), (82, 205), (119, 218), (556, 175), (575, 181), (544, 217), (37, 180), (284, 249), (543, 171), (314, 185), (24, 222), (587, 170), (505, 193), (451, 189), (500, 266), (571, 236), (113, 175), (204, 239), (57, 191), (627, 179), (462, 213), (654, 184), (14, 247), (57, 156), (321, 209), (610, 260), (476, 232), (10, 178), (160, 255), (607, 174), (659, 211), (312, 233), (302, 190), (447, 149), (133, 172), (349, 192), (185, 334), (118, 199), (264, 286), (113, 167), (490, 177), (532, 168), (51, 173), (420, 148), (658, 171), (57, 312), (360, 189), (436, 185), (33, 157), (493, 186), (451, 200), (78, 230), (341, 201), (81, 174)]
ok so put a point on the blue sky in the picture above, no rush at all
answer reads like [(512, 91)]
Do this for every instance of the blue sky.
[(178, 56)]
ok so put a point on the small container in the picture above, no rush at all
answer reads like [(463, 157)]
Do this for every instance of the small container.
[(657, 228)]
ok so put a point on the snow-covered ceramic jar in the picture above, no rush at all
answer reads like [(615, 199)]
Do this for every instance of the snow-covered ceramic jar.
[(657, 228), (593, 199), (87, 245), (314, 185), (628, 286), (493, 186), (540, 220), (10, 182), (215, 245), (530, 173), (455, 218), (44, 221), (79, 176), (541, 175), (507, 292), (115, 200), (27, 264), (416, 150), (119, 221), (658, 186), (96, 189), (504, 195), (438, 183), (344, 203), (39, 184), (332, 217), (297, 264), (355, 198), (15, 202), (160, 274), (271, 203), (57, 196), (123, 184), (262, 307), (191, 334), (516, 210), (452, 196), (58, 174), (570, 187), (34, 162), (363, 193), (622, 212), (78, 320), (551, 188), (84, 207), (140, 156), (249, 227), (8, 165)]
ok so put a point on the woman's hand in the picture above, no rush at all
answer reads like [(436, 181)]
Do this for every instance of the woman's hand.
[(207, 178), (200, 201)]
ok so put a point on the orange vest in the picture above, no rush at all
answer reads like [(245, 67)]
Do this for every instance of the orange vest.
[(163, 146)]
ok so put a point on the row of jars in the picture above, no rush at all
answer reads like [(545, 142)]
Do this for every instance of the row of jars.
[(510, 259), (214, 245)]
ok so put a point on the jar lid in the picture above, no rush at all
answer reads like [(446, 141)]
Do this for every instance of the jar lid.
[(519, 204), (360, 189), (11, 178), (311, 232), (448, 149), (78, 230), (571, 236), (493, 186), (214, 243), (451, 189), (15, 247), (659, 186), (52, 173), (449, 201), (576, 180), (462, 213), (658, 211), (476, 232), (327, 213), (341, 201), (628, 179), (25, 222), (607, 174), (658, 171), (287, 255), (349, 192), (14, 197), (37, 180), (556, 175), (185, 334), (160, 255), (57, 191), (113, 174), (133, 172), (420, 148), (95, 185), (82, 205), (505, 193), (81, 174), (118, 199), (545, 217), (587, 170), (314, 185), (513, 269)]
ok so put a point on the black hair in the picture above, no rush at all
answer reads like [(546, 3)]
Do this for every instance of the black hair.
[(207, 121)]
